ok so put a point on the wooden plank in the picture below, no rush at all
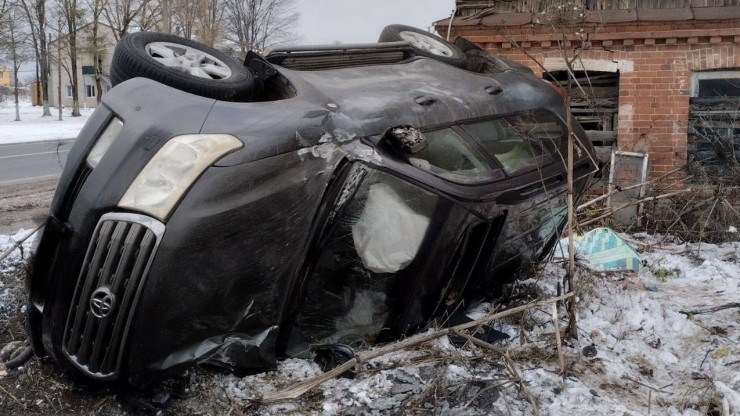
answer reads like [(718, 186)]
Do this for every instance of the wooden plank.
[(601, 136), (595, 102)]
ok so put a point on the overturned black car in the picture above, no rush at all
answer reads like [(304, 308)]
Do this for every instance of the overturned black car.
[(231, 214)]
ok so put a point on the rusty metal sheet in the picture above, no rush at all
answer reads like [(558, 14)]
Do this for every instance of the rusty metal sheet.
[(716, 13), (507, 19), (657, 15), (611, 16)]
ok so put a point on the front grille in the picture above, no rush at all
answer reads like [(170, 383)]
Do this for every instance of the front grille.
[(105, 297)]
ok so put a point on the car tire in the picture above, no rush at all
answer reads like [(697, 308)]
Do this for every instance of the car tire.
[(182, 64), (425, 44)]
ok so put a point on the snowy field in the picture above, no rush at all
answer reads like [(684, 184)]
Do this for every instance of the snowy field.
[(649, 357), (33, 127)]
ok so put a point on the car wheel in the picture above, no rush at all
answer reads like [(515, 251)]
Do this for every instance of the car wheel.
[(182, 64), (425, 44)]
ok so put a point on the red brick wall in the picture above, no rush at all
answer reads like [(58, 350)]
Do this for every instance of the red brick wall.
[(655, 62)]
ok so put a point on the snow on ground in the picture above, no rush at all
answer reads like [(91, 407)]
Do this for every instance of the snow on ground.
[(33, 127), (650, 358)]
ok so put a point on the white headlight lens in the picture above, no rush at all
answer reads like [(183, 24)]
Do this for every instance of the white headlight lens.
[(173, 169), (104, 141)]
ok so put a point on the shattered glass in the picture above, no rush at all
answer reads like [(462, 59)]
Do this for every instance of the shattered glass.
[(450, 156), (516, 141), (372, 239)]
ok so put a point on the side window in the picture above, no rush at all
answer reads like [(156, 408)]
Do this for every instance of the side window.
[(448, 155)]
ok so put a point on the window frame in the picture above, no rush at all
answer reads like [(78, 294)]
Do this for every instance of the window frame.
[(697, 76), (90, 88), (70, 90)]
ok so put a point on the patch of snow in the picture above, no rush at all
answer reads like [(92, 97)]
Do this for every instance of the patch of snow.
[(33, 127), (649, 354)]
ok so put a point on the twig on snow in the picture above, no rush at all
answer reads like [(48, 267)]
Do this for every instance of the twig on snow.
[(510, 365), (710, 310), (561, 358), (646, 385), (427, 391), (18, 243), (300, 388), (705, 358)]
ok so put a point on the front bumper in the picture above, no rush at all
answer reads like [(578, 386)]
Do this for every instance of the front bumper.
[(152, 113)]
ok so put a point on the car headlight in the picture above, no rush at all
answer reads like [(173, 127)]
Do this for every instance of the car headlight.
[(173, 169), (103, 143)]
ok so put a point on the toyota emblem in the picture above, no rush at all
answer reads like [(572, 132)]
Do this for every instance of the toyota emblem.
[(102, 302)]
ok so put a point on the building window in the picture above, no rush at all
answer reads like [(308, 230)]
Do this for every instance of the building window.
[(715, 84), (596, 111), (69, 91), (714, 122), (89, 91)]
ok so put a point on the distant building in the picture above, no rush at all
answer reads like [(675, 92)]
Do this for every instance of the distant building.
[(87, 90), (665, 74), (4, 76)]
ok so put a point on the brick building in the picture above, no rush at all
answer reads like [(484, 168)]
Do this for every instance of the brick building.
[(665, 75)]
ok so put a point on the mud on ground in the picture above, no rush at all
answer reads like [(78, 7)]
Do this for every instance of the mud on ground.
[(25, 205)]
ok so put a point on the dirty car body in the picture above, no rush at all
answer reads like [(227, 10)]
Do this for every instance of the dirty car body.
[(310, 228)]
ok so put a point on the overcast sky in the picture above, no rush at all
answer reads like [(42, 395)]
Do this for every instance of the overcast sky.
[(360, 21)]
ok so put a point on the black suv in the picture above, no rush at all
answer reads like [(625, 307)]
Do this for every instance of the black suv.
[(229, 213)]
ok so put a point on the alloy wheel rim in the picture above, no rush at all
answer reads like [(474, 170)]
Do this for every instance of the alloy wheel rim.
[(426, 43), (188, 60)]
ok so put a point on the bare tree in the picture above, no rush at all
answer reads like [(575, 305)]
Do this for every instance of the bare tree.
[(256, 24), (122, 15), (96, 45), (208, 26), (60, 60), (73, 15), (567, 20), (3, 6), (151, 18), (183, 14), (35, 11), (15, 45)]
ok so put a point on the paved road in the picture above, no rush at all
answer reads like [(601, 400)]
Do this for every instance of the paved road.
[(24, 162)]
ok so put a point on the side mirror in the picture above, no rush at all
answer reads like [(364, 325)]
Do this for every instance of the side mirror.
[(406, 139)]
